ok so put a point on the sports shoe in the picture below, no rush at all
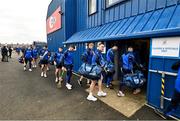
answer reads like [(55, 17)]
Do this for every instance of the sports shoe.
[(120, 94), (57, 80), (91, 98), (24, 68), (88, 81), (42, 74), (60, 79), (101, 94), (45, 75), (48, 69), (30, 70), (69, 84), (59, 85), (79, 82), (137, 91), (107, 86), (111, 86), (69, 87)]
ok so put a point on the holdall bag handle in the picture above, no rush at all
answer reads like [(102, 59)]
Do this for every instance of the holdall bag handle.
[(91, 67), (85, 67)]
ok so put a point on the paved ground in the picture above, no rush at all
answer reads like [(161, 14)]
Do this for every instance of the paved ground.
[(25, 95)]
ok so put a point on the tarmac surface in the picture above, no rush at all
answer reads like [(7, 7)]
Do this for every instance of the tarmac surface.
[(26, 95)]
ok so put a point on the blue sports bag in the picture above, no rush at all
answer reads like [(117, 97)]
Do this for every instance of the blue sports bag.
[(92, 72)]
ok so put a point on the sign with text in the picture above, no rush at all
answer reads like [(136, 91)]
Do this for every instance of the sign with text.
[(167, 47), (54, 21)]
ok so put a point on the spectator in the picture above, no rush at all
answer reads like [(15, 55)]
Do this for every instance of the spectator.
[(4, 52)]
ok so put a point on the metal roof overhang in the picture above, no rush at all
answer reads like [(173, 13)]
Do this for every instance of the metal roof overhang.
[(160, 23)]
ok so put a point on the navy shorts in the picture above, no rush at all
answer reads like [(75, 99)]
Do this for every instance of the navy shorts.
[(59, 66), (35, 58), (44, 62)]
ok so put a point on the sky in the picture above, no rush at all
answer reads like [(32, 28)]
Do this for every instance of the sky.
[(23, 21)]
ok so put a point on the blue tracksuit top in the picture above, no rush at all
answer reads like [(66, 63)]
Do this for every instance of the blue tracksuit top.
[(58, 57), (98, 59), (68, 57), (128, 60), (110, 56), (28, 54), (89, 54), (46, 57), (18, 49), (177, 84), (35, 53)]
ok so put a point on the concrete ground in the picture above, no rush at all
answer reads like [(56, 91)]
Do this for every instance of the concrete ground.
[(26, 95)]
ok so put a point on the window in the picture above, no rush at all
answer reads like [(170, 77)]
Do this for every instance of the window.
[(92, 6), (112, 2)]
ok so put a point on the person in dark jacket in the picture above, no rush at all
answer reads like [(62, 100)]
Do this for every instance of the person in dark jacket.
[(68, 64), (23, 50), (110, 60), (58, 61), (97, 59), (4, 52), (10, 52), (87, 58), (44, 57), (28, 58)]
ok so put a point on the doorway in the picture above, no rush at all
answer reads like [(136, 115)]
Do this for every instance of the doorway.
[(129, 104)]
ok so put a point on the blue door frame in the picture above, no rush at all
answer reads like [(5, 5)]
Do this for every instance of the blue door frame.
[(160, 71)]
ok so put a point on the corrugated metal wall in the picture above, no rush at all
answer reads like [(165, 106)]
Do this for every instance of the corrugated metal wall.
[(76, 18), (124, 10), (55, 39), (70, 18), (81, 15)]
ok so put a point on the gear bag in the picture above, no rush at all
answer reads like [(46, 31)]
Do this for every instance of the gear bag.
[(92, 72)]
